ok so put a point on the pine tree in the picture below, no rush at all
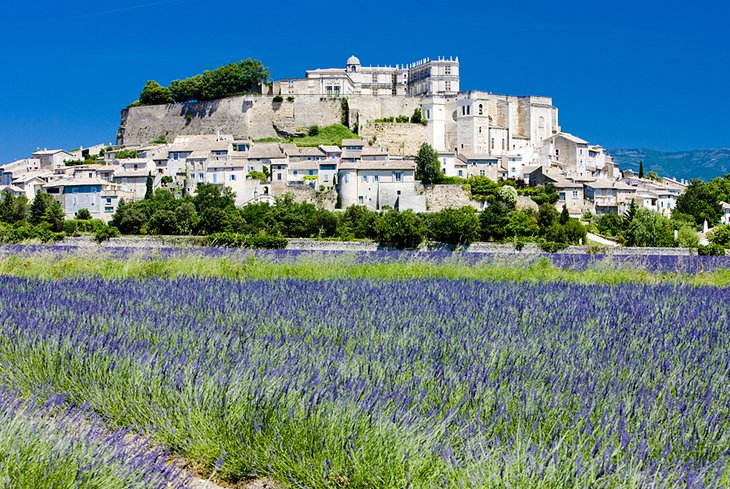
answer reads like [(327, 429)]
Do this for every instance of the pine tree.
[(641, 169)]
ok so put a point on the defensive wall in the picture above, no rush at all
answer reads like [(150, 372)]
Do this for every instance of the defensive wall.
[(255, 116)]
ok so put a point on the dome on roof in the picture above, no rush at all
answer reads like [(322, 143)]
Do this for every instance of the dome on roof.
[(352, 60)]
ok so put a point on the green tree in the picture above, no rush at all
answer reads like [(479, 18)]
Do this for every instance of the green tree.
[(187, 89), (454, 226), (83, 214), (522, 224), (155, 94), (564, 215), (641, 169), (13, 209), (630, 212), (700, 200), (427, 165), (612, 224), (149, 191), (720, 235), (41, 203), (129, 218), (547, 215), (417, 116), (404, 230), (687, 237), (232, 79), (357, 222), (649, 228), (208, 196), (494, 220)]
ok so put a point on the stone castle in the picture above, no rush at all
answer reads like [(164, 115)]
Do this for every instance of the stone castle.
[(474, 124), (476, 134)]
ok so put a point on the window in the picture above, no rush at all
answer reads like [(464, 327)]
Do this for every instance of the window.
[(575, 195), (482, 173), (397, 192), (278, 176), (504, 144), (233, 178), (360, 199), (492, 143), (448, 86), (136, 167), (364, 179), (201, 176), (557, 152), (447, 70), (326, 177), (461, 173), (108, 209), (215, 178), (428, 114), (375, 178), (375, 78), (108, 200), (397, 176), (463, 110), (541, 123), (481, 109), (468, 109), (480, 129)]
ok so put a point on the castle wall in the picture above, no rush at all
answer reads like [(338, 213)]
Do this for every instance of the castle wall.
[(399, 139), (253, 116)]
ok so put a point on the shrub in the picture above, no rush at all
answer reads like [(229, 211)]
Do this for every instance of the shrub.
[(711, 250), (125, 154), (278, 99), (313, 130), (105, 232), (290, 99), (552, 247), (687, 237), (83, 214), (720, 235)]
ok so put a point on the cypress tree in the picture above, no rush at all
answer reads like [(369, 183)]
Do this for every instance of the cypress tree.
[(149, 192)]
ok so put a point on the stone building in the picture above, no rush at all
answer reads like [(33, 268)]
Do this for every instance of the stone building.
[(422, 78)]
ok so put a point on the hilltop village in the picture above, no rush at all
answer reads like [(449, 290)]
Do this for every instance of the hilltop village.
[(395, 110)]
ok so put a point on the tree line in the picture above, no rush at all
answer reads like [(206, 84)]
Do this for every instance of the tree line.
[(224, 81)]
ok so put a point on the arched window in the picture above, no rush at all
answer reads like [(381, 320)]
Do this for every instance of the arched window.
[(481, 109), (541, 123)]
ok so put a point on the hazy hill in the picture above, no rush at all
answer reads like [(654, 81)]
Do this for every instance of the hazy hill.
[(699, 163)]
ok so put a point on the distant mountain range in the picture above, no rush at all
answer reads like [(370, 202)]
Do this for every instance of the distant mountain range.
[(699, 163)]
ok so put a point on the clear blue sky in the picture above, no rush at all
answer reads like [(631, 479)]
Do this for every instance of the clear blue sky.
[(622, 73)]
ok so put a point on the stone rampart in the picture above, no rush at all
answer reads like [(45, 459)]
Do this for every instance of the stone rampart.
[(253, 116), (439, 197), (399, 139)]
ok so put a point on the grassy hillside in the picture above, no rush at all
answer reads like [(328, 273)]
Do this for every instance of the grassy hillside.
[(329, 135)]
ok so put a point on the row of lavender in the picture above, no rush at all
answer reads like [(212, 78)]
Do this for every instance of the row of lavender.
[(47, 442), (681, 264), (428, 383)]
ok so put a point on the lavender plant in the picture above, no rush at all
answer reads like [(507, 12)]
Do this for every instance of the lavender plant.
[(51, 444), (425, 383)]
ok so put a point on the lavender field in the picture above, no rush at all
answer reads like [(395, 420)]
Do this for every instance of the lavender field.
[(415, 383)]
